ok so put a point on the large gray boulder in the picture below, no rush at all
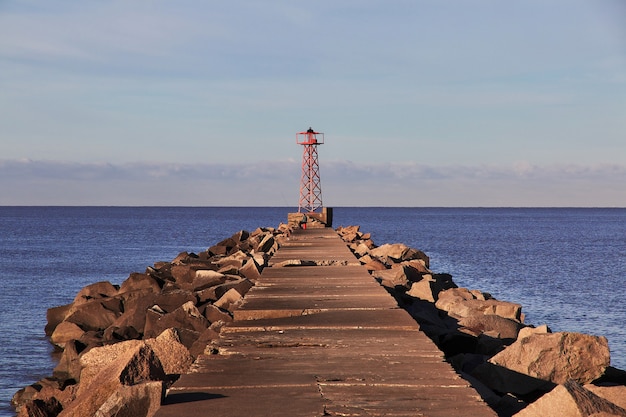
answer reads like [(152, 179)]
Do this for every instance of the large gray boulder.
[(557, 357)]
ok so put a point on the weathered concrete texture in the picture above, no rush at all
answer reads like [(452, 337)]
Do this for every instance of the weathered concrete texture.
[(321, 339)]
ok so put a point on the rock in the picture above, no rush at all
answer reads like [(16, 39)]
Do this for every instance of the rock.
[(392, 278), (527, 331), (613, 393), (214, 314), (557, 357), (207, 278), (496, 326), (186, 316), (571, 400), (183, 275), (172, 354), (229, 301), (117, 366), (55, 316), (96, 290), (251, 270), (41, 408), (429, 286), (144, 282), (69, 364), (267, 244), (65, 332), (95, 314), (173, 299), (396, 253), (143, 400), (460, 302)]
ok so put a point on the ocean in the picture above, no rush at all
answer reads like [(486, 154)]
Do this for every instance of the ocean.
[(565, 266)]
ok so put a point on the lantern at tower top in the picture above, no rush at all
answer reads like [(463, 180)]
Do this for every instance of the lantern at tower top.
[(310, 137)]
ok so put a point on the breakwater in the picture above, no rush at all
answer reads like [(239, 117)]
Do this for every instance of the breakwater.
[(395, 266)]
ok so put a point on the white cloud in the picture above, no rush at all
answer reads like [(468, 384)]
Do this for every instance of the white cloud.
[(344, 183)]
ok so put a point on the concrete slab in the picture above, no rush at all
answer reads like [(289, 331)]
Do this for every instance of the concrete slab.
[(322, 341)]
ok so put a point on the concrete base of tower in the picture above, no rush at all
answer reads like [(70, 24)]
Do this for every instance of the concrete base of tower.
[(312, 219)]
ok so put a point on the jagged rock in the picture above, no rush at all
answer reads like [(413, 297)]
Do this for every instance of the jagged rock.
[(102, 289), (230, 300), (214, 314), (251, 270), (527, 331), (95, 314), (429, 286), (183, 275), (494, 326), (116, 333), (41, 408), (392, 278), (242, 285), (173, 355), (186, 316), (171, 300), (69, 364), (142, 399), (66, 332), (143, 282), (613, 393), (267, 244), (460, 302), (207, 278), (55, 316), (131, 363), (571, 400), (397, 252), (557, 357)]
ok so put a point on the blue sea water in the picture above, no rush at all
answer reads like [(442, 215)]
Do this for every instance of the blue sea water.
[(567, 267)]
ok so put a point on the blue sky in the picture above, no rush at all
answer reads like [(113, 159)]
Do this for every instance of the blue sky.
[(423, 102)]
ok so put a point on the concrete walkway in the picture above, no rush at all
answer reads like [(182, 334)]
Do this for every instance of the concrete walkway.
[(321, 340)]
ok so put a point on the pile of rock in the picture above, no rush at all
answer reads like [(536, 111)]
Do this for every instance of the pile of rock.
[(518, 369), (122, 346)]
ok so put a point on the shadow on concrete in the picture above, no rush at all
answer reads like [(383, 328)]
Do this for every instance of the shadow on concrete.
[(189, 397)]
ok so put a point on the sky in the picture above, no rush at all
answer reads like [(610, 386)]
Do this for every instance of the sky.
[(422, 102)]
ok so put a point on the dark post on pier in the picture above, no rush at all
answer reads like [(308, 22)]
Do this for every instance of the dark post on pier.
[(318, 336)]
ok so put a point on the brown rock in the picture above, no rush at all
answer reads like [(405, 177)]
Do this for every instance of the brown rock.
[(571, 400), (143, 400), (613, 393), (527, 331), (250, 270), (69, 364), (173, 299), (230, 300), (65, 332), (214, 314), (55, 316), (133, 365), (186, 316), (95, 314), (495, 326), (460, 302), (173, 355), (504, 380), (96, 290), (206, 279), (396, 253), (429, 286), (143, 282), (392, 278), (557, 357)]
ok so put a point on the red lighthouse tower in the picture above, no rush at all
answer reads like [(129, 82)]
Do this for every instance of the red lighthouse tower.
[(310, 187)]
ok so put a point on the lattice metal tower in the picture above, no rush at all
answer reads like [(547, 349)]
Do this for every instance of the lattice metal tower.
[(310, 187)]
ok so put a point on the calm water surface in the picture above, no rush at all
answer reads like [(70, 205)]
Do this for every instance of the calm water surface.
[(567, 267)]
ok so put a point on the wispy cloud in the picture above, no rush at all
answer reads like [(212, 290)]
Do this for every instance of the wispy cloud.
[(28, 182)]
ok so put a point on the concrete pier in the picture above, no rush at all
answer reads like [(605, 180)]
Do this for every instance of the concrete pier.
[(318, 336)]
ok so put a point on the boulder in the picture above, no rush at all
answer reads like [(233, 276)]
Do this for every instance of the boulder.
[(504, 380), (527, 331), (392, 278), (267, 244), (571, 400), (65, 332), (396, 253), (172, 299), (251, 270), (96, 290), (230, 300), (172, 354), (134, 364), (214, 314), (461, 302), (55, 316), (613, 393), (429, 286), (557, 357), (137, 281), (69, 366), (142, 399), (492, 325), (186, 316), (95, 314), (206, 279)]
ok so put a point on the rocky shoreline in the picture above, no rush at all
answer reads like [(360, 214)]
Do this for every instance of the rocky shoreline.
[(123, 346)]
